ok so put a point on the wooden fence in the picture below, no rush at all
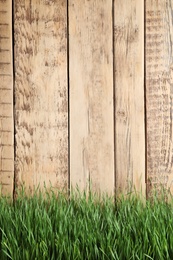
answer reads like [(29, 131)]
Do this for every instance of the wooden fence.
[(86, 94)]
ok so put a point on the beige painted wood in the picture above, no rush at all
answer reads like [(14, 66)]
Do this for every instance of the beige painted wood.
[(91, 95), (129, 95), (6, 100), (41, 102), (159, 93)]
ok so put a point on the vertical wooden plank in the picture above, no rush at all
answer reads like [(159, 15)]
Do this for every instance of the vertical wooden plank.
[(6, 99), (41, 105), (159, 93), (129, 95), (91, 95)]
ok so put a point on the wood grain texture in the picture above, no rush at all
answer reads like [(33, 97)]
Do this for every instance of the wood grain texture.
[(159, 93), (91, 95), (6, 100), (41, 102), (129, 95)]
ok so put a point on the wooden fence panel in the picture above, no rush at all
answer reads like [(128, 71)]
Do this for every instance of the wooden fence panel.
[(41, 100), (159, 93), (91, 94), (129, 94), (6, 99), (106, 65)]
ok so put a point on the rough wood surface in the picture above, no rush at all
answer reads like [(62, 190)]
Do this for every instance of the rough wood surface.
[(91, 95), (6, 100), (159, 93), (41, 116), (129, 94)]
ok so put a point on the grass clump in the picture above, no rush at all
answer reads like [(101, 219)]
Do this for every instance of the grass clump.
[(55, 227)]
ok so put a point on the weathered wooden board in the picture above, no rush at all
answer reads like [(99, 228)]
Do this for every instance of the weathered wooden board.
[(41, 101), (159, 93), (129, 95), (91, 95), (6, 99)]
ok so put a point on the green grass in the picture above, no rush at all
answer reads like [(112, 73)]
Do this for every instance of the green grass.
[(80, 228)]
